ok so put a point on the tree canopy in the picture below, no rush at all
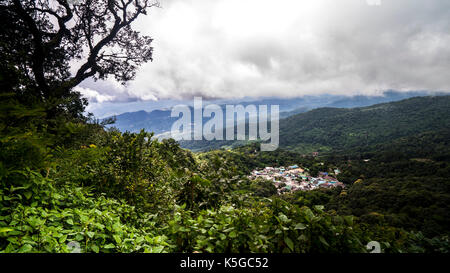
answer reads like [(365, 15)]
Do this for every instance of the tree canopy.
[(40, 41)]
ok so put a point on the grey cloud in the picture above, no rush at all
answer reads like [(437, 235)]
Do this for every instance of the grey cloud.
[(342, 47)]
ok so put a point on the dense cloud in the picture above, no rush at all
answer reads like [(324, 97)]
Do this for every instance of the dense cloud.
[(236, 48)]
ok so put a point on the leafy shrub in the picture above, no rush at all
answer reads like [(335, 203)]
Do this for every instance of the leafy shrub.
[(37, 217)]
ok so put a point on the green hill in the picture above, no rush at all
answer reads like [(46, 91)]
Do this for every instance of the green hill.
[(360, 129)]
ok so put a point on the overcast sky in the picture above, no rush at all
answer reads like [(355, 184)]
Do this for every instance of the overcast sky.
[(237, 48)]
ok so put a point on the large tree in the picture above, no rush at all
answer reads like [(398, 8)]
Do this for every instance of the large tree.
[(40, 40)]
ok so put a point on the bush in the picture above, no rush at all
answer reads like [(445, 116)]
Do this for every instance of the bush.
[(40, 218)]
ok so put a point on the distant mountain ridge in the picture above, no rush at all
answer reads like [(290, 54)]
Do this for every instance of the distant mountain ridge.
[(356, 129), (159, 121)]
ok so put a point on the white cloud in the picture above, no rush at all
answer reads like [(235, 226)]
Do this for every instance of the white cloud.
[(237, 48), (94, 96)]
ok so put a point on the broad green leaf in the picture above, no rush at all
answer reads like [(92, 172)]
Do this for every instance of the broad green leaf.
[(25, 248), (309, 214), (157, 249), (117, 239), (283, 218), (63, 239), (28, 194), (348, 220), (319, 207), (323, 241), (289, 243), (95, 248), (5, 229)]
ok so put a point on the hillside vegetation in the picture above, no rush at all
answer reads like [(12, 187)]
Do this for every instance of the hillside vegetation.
[(357, 129), (341, 129), (126, 192)]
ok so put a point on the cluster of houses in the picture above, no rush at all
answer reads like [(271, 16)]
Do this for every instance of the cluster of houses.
[(294, 178)]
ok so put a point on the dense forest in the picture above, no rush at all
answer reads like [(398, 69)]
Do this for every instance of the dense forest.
[(361, 129), (341, 129), (114, 192), (66, 180)]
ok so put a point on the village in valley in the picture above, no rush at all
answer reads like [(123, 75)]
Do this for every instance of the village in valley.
[(295, 178)]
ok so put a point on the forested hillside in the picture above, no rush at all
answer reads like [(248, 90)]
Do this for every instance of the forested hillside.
[(360, 128), (114, 192), (356, 129), (159, 121)]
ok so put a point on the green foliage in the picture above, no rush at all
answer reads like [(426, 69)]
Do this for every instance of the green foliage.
[(70, 181), (311, 198), (418, 203), (425, 120), (267, 227), (218, 209), (127, 166), (38, 217), (263, 188), (359, 129)]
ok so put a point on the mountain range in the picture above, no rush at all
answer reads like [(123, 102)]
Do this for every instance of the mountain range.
[(357, 129), (160, 121)]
